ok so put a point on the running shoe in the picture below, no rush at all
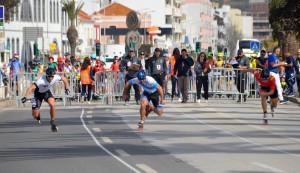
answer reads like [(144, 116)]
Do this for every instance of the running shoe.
[(39, 118), (140, 126), (53, 126), (265, 119), (148, 110), (284, 102)]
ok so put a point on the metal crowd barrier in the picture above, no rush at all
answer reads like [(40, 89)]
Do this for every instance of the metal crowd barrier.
[(19, 83)]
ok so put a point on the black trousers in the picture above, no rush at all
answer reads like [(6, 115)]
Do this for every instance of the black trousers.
[(159, 79), (241, 82), (202, 81), (298, 85), (136, 88)]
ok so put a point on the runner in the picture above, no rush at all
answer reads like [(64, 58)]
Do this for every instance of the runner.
[(41, 89), (268, 88), (152, 92)]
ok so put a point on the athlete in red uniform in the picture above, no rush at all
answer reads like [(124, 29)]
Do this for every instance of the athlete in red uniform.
[(268, 88)]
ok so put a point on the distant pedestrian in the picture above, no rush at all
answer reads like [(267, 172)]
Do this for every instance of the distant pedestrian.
[(174, 79), (201, 70), (297, 70), (289, 73)]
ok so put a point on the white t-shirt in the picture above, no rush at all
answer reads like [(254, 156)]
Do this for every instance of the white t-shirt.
[(149, 85), (43, 85)]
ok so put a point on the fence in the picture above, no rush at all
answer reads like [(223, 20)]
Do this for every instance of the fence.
[(109, 85)]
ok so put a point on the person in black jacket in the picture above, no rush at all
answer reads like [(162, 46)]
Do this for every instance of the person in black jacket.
[(129, 66), (158, 68), (183, 70), (297, 71)]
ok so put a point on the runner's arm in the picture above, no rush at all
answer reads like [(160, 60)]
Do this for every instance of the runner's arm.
[(29, 90), (65, 80), (161, 93)]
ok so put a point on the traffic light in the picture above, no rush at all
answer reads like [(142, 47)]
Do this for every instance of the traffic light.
[(36, 51), (198, 47), (97, 49), (225, 51)]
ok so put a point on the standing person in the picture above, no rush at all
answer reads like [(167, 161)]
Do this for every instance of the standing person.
[(174, 79), (115, 66), (289, 73), (67, 56), (273, 66), (60, 64), (93, 59), (51, 63), (143, 60), (129, 66), (158, 67), (41, 89), (261, 62), (201, 70), (166, 80), (183, 70), (241, 80), (297, 70), (15, 70), (268, 88), (86, 78), (152, 92)]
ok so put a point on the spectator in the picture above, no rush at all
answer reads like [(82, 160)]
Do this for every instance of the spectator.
[(174, 80), (183, 70), (201, 70), (241, 82), (143, 60), (297, 70), (67, 56), (15, 70), (158, 67), (51, 63), (86, 78), (261, 62), (76, 71), (93, 59), (60, 64), (115, 66), (129, 66), (273, 65), (166, 80), (289, 73)]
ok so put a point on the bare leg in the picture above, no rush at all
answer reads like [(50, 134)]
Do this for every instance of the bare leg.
[(35, 113), (51, 103), (158, 111), (264, 103), (144, 103)]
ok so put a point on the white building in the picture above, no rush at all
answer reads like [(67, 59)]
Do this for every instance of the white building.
[(33, 20)]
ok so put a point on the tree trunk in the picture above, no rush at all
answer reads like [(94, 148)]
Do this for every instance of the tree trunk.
[(289, 42), (72, 35)]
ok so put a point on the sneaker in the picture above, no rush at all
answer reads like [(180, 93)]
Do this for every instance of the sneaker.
[(206, 101), (284, 102), (179, 100), (184, 101), (148, 110), (53, 126), (126, 103), (82, 99), (89, 102), (140, 126), (198, 101), (272, 111), (172, 99), (265, 119), (290, 95), (39, 118)]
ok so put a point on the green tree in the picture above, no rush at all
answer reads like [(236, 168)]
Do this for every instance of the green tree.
[(9, 6), (269, 43), (285, 21), (72, 10)]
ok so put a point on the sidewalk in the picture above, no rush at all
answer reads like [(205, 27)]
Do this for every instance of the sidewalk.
[(6, 103)]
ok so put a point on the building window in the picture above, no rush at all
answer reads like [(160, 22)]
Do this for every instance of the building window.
[(13, 45), (44, 11), (8, 44), (50, 12), (57, 12), (18, 45), (17, 13), (34, 10), (54, 10), (39, 10), (26, 13)]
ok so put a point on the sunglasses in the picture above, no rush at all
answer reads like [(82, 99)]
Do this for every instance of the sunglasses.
[(50, 76)]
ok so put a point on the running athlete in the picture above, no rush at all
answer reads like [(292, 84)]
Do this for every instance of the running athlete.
[(41, 89), (152, 92), (268, 88)]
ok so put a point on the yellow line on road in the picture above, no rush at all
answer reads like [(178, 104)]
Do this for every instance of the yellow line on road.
[(146, 168)]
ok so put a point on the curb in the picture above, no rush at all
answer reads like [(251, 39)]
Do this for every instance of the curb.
[(292, 99)]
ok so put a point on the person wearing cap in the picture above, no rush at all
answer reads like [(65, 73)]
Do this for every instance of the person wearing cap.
[(183, 70), (158, 68), (4, 75), (51, 63), (67, 56), (60, 64), (93, 59), (241, 80), (15, 70), (129, 66)]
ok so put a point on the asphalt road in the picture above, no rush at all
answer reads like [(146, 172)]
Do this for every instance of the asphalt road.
[(219, 136)]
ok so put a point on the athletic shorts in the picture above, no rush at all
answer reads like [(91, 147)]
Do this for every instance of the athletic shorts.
[(36, 102), (153, 97), (267, 89)]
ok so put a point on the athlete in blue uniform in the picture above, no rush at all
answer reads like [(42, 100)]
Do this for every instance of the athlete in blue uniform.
[(152, 92)]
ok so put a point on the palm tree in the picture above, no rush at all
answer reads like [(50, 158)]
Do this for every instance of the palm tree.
[(9, 7), (72, 34)]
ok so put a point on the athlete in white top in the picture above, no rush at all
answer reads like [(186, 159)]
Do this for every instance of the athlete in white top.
[(152, 92), (41, 89)]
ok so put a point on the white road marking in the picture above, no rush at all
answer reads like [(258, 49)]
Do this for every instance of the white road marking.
[(103, 148), (267, 167), (107, 140), (97, 129), (89, 112), (122, 152), (89, 116), (237, 136), (146, 168), (91, 122)]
